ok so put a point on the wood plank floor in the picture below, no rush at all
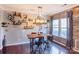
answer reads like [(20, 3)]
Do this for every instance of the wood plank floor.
[(25, 49), (0, 51)]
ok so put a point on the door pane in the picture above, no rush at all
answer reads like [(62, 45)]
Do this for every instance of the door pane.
[(55, 23), (63, 28), (55, 31), (63, 33), (63, 22)]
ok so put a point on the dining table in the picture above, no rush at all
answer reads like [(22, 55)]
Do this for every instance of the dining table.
[(32, 37)]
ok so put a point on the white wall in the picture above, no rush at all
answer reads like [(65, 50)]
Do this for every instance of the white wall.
[(15, 34), (1, 36), (1, 29)]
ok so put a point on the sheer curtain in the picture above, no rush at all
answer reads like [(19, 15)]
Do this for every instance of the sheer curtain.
[(70, 29)]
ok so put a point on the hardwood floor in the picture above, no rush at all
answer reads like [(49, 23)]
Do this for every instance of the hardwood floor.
[(25, 49), (17, 49), (0, 51)]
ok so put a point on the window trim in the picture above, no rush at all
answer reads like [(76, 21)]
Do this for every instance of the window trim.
[(59, 26)]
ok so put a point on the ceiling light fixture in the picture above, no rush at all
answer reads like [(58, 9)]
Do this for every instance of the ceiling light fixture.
[(40, 19)]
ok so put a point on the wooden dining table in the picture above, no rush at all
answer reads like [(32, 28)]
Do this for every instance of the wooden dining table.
[(32, 37)]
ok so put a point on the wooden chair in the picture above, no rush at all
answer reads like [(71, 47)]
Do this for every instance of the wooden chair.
[(33, 33)]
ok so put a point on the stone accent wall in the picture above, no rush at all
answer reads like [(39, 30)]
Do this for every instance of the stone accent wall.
[(76, 31), (76, 28)]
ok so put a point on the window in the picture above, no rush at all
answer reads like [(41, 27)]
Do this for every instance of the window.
[(63, 28), (60, 27), (55, 29)]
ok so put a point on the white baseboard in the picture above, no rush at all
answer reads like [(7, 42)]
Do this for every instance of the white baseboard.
[(59, 43), (17, 43), (75, 50)]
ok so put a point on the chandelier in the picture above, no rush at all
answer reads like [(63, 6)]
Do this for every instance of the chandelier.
[(40, 19)]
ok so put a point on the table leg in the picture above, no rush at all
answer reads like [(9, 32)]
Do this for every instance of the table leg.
[(31, 45)]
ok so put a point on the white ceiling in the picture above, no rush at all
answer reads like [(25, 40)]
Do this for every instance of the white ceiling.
[(32, 8)]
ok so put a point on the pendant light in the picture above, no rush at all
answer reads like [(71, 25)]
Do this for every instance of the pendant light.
[(40, 19)]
